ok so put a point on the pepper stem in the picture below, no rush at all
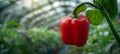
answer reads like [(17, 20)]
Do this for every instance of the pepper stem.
[(74, 15)]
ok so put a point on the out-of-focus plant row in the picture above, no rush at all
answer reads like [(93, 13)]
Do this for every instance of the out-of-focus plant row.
[(32, 41)]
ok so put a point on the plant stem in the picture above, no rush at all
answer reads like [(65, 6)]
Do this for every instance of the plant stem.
[(109, 21)]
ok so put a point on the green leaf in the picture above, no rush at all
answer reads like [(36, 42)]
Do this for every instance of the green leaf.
[(80, 9), (110, 6), (95, 16), (106, 39)]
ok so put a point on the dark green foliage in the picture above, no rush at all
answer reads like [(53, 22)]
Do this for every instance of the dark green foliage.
[(110, 5)]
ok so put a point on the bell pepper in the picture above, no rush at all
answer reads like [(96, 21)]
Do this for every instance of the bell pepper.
[(74, 31)]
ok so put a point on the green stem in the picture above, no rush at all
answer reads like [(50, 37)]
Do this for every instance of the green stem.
[(74, 11), (108, 18)]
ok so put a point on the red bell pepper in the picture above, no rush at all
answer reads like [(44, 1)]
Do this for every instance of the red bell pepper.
[(74, 31)]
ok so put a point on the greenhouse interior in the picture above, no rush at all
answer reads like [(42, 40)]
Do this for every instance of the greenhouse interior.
[(59, 26)]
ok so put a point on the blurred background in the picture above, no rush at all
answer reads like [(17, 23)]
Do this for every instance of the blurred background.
[(32, 27)]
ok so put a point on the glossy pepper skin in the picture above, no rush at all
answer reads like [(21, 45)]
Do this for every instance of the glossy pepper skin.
[(74, 31)]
